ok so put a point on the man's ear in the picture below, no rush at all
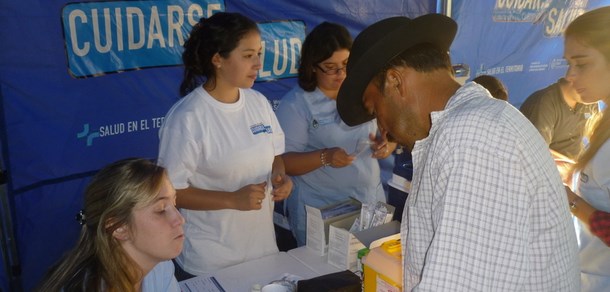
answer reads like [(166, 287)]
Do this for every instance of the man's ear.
[(393, 82)]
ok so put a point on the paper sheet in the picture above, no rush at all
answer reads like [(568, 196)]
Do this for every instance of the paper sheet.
[(208, 284)]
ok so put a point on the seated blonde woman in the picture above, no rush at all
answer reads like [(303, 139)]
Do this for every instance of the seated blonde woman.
[(130, 231)]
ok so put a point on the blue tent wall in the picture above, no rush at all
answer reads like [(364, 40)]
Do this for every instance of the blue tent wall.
[(519, 42), (44, 110), (48, 117)]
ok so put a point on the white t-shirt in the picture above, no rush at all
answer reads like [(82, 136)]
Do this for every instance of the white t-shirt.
[(218, 146), (593, 185)]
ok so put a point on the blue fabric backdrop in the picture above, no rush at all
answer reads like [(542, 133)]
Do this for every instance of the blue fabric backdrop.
[(518, 41), (73, 101), (83, 85)]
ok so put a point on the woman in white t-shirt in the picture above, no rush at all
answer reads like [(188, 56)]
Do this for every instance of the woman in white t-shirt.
[(221, 144)]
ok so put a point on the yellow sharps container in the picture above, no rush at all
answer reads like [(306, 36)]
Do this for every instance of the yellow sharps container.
[(383, 268)]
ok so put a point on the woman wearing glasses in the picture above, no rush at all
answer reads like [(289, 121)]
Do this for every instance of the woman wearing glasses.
[(322, 153)]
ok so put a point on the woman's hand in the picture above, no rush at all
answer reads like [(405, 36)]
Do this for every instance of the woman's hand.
[(381, 147), (282, 186), (337, 157), (579, 207), (250, 197)]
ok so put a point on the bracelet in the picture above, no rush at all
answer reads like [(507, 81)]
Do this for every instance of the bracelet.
[(323, 158)]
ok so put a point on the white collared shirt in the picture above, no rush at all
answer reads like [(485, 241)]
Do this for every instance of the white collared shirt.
[(487, 209)]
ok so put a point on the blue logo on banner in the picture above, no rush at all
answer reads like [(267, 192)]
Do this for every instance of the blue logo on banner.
[(106, 37), (85, 134)]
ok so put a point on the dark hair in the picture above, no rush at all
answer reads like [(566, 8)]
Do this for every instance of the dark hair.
[(424, 57), (493, 85), (220, 34), (319, 45)]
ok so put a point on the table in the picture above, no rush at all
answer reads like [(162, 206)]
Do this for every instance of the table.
[(242, 276), (313, 261)]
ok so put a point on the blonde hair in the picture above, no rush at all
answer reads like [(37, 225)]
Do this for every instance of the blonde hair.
[(597, 131), (98, 262), (593, 29)]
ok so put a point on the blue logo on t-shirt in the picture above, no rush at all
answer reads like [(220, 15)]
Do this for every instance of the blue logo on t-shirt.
[(260, 128)]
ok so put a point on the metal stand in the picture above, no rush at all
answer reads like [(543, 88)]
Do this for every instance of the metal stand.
[(7, 239)]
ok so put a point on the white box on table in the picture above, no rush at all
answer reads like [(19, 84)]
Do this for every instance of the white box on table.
[(319, 220), (344, 245)]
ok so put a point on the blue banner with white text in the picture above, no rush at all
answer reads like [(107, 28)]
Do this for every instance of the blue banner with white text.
[(518, 41)]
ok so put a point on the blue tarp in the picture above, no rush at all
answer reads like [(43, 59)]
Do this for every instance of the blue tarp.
[(85, 83), (77, 92), (518, 41)]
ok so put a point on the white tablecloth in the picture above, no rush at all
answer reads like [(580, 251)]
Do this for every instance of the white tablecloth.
[(261, 271)]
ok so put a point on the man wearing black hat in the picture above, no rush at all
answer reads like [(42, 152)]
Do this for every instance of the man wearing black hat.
[(487, 209)]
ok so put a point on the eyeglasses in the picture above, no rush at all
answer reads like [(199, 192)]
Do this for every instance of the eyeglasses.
[(331, 71)]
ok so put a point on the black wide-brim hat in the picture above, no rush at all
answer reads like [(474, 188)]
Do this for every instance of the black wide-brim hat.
[(379, 43)]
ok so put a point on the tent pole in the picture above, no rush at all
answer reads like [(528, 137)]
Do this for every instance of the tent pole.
[(7, 239), (444, 7)]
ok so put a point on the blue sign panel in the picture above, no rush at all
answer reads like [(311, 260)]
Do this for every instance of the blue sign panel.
[(518, 41), (105, 37), (110, 37), (282, 42)]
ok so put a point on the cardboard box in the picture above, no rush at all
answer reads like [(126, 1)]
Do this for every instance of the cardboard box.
[(344, 245), (319, 220)]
